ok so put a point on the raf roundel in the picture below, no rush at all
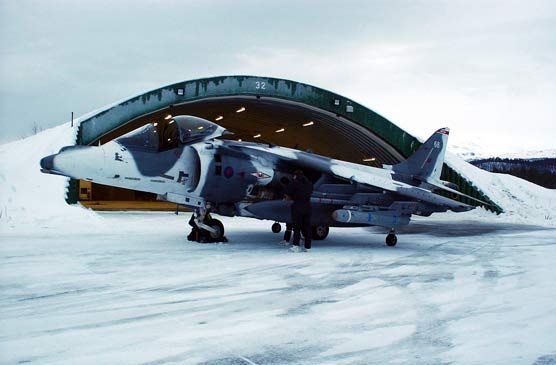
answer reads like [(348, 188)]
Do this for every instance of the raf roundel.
[(229, 172)]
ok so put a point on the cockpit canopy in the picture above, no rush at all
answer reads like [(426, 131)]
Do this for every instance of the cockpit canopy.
[(143, 138), (192, 129), (181, 130)]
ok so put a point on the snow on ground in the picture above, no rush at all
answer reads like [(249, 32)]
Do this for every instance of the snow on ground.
[(87, 288), (136, 292), (29, 197), (521, 200)]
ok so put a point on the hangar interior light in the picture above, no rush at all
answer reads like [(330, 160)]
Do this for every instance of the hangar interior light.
[(269, 120)]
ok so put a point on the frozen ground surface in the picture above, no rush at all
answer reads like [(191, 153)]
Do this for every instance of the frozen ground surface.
[(128, 289)]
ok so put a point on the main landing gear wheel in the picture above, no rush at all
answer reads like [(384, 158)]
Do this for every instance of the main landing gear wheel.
[(276, 227), (391, 239), (218, 234), (320, 232)]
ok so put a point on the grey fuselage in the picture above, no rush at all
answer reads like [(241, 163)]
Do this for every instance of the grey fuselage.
[(248, 179)]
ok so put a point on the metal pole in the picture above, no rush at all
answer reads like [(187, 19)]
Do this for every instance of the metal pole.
[(72, 119)]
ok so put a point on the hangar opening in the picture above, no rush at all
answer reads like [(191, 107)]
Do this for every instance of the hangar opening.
[(255, 109)]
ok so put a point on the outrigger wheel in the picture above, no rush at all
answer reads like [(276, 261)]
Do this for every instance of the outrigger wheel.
[(276, 227), (391, 238)]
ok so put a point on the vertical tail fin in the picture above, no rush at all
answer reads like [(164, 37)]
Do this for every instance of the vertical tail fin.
[(426, 163)]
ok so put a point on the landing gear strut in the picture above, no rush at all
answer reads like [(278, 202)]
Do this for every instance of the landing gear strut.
[(391, 238), (206, 229), (276, 227)]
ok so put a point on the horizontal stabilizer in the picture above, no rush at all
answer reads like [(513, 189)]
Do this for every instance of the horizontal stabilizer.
[(448, 189)]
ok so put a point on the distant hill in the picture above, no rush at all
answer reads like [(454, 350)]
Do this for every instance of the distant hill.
[(528, 155), (541, 171)]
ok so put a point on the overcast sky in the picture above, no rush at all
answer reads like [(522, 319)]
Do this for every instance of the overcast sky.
[(486, 69)]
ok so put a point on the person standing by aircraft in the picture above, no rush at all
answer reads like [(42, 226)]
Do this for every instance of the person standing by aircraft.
[(287, 235), (300, 191)]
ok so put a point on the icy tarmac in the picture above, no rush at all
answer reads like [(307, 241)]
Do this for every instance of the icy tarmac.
[(132, 290)]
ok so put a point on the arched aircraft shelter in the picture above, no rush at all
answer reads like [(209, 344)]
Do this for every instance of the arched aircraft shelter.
[(260, 109)]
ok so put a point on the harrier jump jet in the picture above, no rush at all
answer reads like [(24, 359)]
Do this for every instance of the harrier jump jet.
[(186, 163)]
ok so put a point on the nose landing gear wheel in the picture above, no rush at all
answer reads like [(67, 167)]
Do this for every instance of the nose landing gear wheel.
[(276, 227), (218, 234), (320, 232)]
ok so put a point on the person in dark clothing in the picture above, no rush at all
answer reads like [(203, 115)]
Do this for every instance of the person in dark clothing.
[(300, 191), (195, 234), (284, 181), (287, 234)]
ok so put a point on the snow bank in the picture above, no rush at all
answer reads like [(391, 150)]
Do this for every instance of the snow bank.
[(29, 198), (521, 200)]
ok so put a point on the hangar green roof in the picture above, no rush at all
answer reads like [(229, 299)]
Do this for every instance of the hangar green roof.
[(102, 123)]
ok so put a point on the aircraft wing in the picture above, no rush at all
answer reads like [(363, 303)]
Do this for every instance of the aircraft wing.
[(364, 175), (302, 160)]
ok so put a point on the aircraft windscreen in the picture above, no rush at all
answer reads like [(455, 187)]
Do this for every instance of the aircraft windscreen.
[(145, 138), (193, 129)]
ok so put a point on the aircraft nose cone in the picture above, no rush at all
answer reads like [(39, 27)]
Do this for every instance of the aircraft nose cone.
[(47, 163)]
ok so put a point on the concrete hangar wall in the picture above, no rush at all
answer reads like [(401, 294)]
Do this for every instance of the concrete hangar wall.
[(260, 109)]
